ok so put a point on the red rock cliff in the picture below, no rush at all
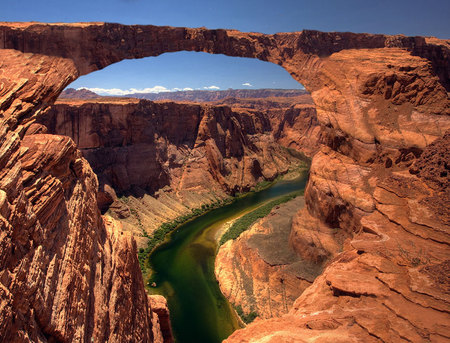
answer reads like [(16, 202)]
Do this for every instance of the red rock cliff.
[(67, 273), (150, 145), (381, 100)]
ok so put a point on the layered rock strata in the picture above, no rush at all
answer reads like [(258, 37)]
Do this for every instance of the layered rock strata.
[(67, 274), (389, 282), (381, 100), (160, 309), (189, 147), (293, 119)]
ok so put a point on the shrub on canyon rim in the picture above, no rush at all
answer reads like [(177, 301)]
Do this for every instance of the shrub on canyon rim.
[(246, 318)]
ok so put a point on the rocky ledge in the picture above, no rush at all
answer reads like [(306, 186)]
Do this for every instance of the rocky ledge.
[(390, 283)]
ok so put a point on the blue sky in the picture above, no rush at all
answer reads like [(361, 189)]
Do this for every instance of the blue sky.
[(190, 70)]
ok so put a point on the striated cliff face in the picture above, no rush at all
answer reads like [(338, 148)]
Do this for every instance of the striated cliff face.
[(67, 274), (293, 119), (390, 283), (381, 179), (260, 271), (381, 182)]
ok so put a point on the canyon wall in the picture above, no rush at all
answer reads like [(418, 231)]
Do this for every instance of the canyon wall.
[(260, 272), (189, 147), (384, 116), (381, 178), (169, 158), (67, 274), (293, 119)]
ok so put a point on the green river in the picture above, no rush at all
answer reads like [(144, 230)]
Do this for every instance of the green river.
[(183, 270)]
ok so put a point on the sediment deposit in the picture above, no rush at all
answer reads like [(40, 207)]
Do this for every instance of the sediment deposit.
[(381, 178)]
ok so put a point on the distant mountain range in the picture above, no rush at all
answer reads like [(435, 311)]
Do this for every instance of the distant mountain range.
[(195, 95), (72, 93)]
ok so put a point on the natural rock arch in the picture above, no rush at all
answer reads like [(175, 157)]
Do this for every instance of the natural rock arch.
[(340, 70), (377, 97)]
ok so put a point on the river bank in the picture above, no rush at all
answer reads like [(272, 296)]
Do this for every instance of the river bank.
[(184, 269), (159, 235)]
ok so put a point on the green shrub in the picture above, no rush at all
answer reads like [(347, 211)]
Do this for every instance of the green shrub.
[(159, 235), (246, 318), (247, 220)]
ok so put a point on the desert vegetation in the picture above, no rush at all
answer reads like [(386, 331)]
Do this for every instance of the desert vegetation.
[(247, 318), (160, 234), (244, 222)]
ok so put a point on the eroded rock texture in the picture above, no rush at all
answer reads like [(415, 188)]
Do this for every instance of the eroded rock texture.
[(381, 100), (67, 274), (379, 113), (293, 119), (160, 310)]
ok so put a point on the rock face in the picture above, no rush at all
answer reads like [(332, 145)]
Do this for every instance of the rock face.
[(137, 143), (383, 185), (160, 308), (67, 273), (298, 129), (293, 119), (381, 179), (255, 274)]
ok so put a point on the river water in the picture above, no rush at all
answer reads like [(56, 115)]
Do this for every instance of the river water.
[(184, 270)]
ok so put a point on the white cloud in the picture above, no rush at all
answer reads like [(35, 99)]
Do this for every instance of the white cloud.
[(248, 84), (111, 91), (212, 87), (118, 91), (180, 89), (155, 89)]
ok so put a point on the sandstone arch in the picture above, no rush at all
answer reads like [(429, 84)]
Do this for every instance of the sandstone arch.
[(378, 98), (362, 64)]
